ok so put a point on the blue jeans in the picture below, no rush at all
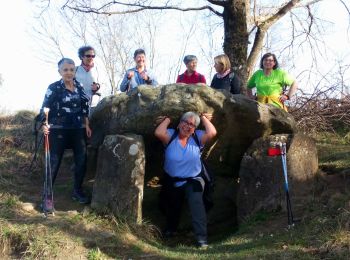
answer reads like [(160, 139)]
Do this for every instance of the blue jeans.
[(61, 139)]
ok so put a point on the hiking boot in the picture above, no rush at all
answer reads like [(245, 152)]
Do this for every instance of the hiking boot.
[(47, 205), (80, 197)]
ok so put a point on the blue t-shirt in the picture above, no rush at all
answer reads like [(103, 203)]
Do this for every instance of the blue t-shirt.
[(183, 162)]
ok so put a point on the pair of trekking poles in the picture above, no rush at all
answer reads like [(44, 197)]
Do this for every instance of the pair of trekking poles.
[(280, 149), (47, 199)]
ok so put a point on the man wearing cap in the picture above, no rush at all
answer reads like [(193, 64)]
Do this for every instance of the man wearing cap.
[(138, 75), (191, 76)]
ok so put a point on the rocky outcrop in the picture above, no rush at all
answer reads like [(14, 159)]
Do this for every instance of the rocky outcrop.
[(261, 182), (239, 120), (119, 182)]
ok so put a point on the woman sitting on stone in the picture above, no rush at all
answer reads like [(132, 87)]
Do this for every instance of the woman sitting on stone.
[(269, 82), (182, 168), (225, 78)]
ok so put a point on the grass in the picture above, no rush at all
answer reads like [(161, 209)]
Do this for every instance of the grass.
[(333, 151), (76, 232)]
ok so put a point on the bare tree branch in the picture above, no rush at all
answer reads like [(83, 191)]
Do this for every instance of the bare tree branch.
[(138, 8)]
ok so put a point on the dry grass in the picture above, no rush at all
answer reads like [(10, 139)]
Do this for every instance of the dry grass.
[(76, 232)]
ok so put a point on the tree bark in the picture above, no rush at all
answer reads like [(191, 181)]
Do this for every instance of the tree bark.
[(236, 36)]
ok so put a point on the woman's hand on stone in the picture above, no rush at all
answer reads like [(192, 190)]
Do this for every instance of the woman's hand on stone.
[(209, 116), (160, 119)]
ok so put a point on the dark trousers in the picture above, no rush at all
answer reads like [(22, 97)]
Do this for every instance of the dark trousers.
[(60, 139), (175, 197)]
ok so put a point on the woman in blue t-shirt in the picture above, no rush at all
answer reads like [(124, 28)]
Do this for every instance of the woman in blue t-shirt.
[(183, 167)]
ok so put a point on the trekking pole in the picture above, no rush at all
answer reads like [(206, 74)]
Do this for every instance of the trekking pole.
[(48, 205), (283, 149), (37, 145)]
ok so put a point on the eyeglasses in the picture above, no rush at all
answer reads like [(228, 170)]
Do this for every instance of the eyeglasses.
[(89, 56), (66, 70), (189, 124)]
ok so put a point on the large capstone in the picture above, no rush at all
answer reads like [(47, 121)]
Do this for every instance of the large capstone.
[(238, 119)]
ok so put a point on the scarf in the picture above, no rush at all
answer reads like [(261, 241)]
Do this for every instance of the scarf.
[(222, 75), (87, 68)]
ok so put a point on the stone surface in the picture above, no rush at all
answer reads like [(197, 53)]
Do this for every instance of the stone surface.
[(119, 181), (239, 120), (27, 206), (261, 181)]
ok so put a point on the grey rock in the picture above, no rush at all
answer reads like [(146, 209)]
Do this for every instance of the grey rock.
[(239, 120), (119, 181), (261, 181)]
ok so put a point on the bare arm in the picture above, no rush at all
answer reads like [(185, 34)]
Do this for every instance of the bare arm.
[(161, 130), (87, 126), (293, 88), (250, 93), (210, 130)]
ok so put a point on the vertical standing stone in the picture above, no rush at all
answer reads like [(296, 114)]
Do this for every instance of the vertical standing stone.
[(119, 181), (261, 183)]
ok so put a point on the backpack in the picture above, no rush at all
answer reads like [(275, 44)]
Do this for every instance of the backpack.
[(235, 87)]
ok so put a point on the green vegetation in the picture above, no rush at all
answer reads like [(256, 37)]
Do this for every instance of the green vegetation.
[(76, 232)]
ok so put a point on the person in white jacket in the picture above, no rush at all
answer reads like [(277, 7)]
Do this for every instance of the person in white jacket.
[(87, 75)]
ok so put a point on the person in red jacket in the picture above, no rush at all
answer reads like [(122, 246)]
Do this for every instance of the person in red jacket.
[(191, 76)]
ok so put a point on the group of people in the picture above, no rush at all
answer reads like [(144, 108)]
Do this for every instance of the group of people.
[(225, 78), (71, 99), (270, 81)]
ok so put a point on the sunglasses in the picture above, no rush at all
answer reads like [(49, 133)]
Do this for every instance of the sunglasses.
[(89, 56), (66, 70), (189, 124)]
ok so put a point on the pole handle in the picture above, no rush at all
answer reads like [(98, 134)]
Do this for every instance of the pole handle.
[(46, 112)]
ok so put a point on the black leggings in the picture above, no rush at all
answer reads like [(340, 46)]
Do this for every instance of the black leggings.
[(60, 139)]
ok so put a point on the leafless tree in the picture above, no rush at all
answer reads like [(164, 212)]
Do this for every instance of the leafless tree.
[(243, 20), (57, 30), (326, 106)]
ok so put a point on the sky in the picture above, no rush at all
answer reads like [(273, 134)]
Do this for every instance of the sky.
[(26, 77)]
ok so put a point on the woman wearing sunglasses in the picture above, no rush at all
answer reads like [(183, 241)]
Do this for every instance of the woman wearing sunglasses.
[(87, 74), (182, 169), (68, 124)]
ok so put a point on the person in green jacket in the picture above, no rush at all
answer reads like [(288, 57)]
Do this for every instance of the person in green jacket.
[(269, 82)]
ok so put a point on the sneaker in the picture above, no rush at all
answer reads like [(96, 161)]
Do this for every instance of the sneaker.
[(202, 244), (47, 205), (80, 197)]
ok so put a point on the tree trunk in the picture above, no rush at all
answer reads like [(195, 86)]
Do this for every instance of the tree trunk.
[(236, 36)]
